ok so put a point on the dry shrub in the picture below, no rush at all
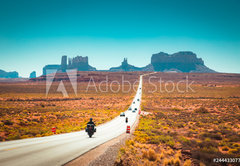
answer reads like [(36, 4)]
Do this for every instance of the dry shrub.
[(161, 155), (187, 163), (177, 162), (138, 145), (225, 148), (144, 154), (166, 162), (152, 156), (178, 155), (202, 110), (169, 152), (158, 158), (130, 142), (171, 160)]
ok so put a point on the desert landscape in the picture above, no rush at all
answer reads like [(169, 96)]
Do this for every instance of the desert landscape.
[(27, 112), (124, 83), (190, 128), (178, 128)]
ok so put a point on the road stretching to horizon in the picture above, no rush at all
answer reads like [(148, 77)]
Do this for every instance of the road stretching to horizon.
[(62, 148)]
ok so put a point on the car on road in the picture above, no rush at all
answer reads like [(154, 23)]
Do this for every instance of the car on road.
[(122, 114), (138, 100), (134, 102), (130, 109), (134, 110)]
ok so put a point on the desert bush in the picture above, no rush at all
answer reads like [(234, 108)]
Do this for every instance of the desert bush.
[(8, 122), (201, 110), (166, 162), (162, 138), (152, 156), (225, 148), (236, 145), (161, 156), (234, 138), (144, 154), (234, 151), (187, 163), (129, 142), (214, 136), (192, 128), (177, 161), (177, 109)]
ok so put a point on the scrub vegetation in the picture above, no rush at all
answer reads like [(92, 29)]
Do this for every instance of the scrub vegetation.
[(190, 128), (26, 111)]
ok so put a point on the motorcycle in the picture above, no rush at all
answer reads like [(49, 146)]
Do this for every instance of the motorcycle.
[(90, 129)]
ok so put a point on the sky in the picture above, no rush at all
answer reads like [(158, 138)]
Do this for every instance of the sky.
[(34, 33)]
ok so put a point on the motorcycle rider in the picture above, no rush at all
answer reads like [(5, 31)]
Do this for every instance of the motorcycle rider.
[(89, 125), (91, 122)]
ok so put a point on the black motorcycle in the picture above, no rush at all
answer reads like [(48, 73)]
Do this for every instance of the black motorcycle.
[(90, 129)]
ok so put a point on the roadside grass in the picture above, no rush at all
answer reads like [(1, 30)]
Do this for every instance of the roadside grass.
[(186, 129), (26, 111)]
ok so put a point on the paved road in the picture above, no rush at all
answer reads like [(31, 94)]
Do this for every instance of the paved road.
[(59, 149)]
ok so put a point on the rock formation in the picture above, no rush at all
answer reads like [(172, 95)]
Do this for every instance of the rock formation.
[(51, 69), (4, 74), (184, 61), (64, 63), (32, 74), (80, 63), (125, 67)]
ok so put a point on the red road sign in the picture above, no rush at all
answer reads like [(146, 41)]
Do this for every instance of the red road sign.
[(128, 129), (54, 130)]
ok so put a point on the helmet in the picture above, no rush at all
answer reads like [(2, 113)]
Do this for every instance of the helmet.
[(90, 119)]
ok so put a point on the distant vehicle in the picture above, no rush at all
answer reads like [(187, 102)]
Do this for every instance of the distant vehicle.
[(134, 102), (129, 109), (133, 111), (122, 114), (138, 100)]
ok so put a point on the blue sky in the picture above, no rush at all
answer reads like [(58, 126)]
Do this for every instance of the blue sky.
[(34, 33)]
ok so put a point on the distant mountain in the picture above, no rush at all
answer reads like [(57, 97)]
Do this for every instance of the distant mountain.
[(4, 74), (125, 67), (80, 63), (32, 74), (184, 61)]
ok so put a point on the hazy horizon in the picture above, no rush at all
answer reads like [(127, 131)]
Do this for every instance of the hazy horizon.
[(34, 34)]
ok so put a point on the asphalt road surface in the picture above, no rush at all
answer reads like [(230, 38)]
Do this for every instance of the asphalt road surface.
[(62, 148)]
